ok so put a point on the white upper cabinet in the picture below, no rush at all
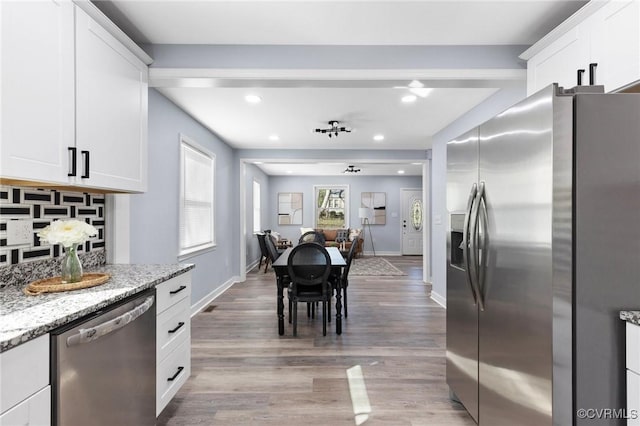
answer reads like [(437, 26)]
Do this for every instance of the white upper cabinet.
[(37, 90), (111, 109), (74, 100), (615, 44), (604, 34)]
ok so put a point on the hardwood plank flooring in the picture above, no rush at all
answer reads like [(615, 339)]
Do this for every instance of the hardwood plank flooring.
[(243, 373)]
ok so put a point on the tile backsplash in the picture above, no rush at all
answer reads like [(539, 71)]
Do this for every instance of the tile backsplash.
[(41, 206)]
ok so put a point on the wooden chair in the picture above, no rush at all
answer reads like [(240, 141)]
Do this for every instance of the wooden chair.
[(309, 266)]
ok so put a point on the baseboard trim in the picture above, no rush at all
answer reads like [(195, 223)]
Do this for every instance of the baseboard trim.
[(253, 265), (204, 302), (382, 253), (439, 299)]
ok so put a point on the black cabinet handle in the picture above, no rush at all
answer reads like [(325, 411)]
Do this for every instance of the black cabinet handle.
[(172, 378), (580, 73), (73, 157), (182, 287), (85, 155), (592, 73), (178, 327)]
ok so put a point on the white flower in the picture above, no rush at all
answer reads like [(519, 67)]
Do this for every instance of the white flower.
[(67, 232)]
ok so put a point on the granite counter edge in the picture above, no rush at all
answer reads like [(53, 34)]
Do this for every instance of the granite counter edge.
[(31, 334), (632, 317)]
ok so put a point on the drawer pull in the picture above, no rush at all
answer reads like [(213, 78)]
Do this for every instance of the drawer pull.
[(172, 378), (182, 287), (178, 327)]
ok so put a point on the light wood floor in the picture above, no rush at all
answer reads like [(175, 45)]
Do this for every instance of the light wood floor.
[(243, 373)]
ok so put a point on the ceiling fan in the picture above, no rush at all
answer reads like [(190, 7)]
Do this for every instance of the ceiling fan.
[(334, 129), (351, 169), (417, 88)]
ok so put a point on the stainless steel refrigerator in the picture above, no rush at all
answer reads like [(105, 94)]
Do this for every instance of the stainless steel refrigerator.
[(543, 252)]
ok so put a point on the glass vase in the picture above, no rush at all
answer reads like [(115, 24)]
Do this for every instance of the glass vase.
[(71, 266)]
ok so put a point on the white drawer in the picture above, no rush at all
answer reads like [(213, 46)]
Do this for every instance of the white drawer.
[(35, 411), (633, 347), (172, 291), (633, 399), (177, 366), (173, 327), (24, 370)]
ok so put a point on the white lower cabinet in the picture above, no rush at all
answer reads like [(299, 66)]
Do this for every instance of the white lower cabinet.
[(34, 411), (173, 338), (633, 374), (25, 394), (633, 398)]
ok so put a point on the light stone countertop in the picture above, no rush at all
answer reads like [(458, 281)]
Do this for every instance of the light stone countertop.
[(23, 317), (630, 316)]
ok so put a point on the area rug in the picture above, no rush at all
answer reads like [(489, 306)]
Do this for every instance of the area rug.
[(376, 266)]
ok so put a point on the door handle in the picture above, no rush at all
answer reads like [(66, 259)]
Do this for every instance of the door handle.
[(86, 335), (178, 290), (474, 245), (178, 327), (172, 378), (482, 264), (85, 155), (465, 240), (73, 157)]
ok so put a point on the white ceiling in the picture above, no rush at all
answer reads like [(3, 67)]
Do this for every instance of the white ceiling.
[(293, 112), (336, 168)]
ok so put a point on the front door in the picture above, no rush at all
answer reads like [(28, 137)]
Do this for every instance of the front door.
[(412, 221)]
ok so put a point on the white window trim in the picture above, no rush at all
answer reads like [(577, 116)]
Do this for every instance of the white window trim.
[(203, 248), (346, 206)]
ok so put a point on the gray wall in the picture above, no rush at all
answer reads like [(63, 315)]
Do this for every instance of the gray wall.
[(486, 110), (154, 214), (387, 237), (252, 173)]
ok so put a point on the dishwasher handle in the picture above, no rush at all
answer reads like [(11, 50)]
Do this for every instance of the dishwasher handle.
[(86, 335)]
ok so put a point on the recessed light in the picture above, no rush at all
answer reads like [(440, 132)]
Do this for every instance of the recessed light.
[(378, 137), (274, 138), (289, 171), (400, 172), (253, 99), (409, 98), (258, 162)]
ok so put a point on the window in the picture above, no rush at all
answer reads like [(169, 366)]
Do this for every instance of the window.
[(256, 206), (332, 207), (196, 198)]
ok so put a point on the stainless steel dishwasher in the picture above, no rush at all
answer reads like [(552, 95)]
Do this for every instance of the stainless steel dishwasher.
[(104, 366)]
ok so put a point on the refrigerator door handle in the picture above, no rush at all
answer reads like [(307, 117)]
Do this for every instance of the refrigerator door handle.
[(465, 241), (475, 214), (482, 263)]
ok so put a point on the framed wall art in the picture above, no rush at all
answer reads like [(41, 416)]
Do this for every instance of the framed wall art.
[(289, 208), (376, 205)]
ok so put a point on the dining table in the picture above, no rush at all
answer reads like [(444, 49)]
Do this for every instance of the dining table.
[(280, 267)]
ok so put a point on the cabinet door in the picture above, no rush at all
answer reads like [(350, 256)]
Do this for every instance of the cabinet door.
[(37, 77), (559, 62), (111, 110), (616, 44), (633, 398), (34, 411)]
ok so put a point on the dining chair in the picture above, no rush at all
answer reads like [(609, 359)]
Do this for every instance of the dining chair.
[(264, 253), (309, 266), (273, 252), (312, 237), (344, 278)]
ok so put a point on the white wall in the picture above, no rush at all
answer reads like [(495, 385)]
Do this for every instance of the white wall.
[(486, 110), (154, 214), (387, 238)]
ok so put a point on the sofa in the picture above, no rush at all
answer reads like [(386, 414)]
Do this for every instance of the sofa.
[(335, 237)]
